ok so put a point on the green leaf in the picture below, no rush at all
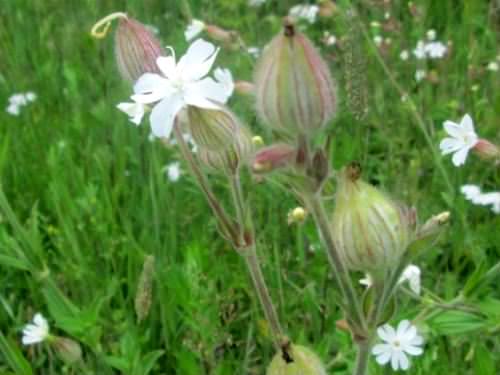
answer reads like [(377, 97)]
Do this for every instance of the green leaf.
[(483, 361), (13, 357), (457, 322), (149, 360)]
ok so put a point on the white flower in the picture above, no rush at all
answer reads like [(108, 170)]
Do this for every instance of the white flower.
[(13, 110), (378, 40), (435, 50), (463, 138), (254, 51), (30, 96), (419, 50), (194, 29), (256, 3), (404, 55), (134, 110), (225, 78), (329, 39), (367, 280), (181, 84), (431, 34), (173, 171), (304, 11), (420, 75), (412, 275), (473, 194), (492, 66), (35, 332), (398, 344)]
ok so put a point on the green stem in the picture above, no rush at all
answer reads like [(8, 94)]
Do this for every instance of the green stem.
[(340, 272), (362, 357)]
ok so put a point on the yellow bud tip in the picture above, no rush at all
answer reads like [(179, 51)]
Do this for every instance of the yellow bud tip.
[(101, 27), (297, 215), (257, 140), (443, 217)]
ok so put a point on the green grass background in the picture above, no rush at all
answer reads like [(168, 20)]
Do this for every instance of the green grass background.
[(84, 199)]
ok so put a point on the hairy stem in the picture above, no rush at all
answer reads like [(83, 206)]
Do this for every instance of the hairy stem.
[(362, 357)]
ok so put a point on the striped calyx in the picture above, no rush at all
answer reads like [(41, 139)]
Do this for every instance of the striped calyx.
[(371, 231), (295, 93), (136, 49), (302, 361)]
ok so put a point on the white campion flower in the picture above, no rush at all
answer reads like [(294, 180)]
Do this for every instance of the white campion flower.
[(463, 139), (225, 78), (135, 111), (304, 11), (473, 194), (17, 101), (412, 275), (398, 344), (36, 332), (435, 50), (194, 29), (173, 171), (181, 84)]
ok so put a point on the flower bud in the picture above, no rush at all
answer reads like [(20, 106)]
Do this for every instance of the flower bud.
[(229, 159), (273, 157), (136, 49), (67, 349), (297, 215), (302, 361), (371, 231), (487, 150), (212, 129), (244, 87), (295, 93), (143, 295)]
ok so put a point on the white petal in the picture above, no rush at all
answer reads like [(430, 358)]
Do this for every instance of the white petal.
[(151, 88), (163, 115), (453, 129), (413, 350), (404, 363), (460, 156), (225, 78), (395, 361), (449, 145), (207, 88), (470, 191), (487, 198), (198, 60), (417, 340), (403, 327), (381, 348), (193, 29), (467, 124), (40, 321), (386, 332), (167, 66), (383, 358)]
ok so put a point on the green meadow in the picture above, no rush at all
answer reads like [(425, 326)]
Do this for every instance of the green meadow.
[(85, 198)]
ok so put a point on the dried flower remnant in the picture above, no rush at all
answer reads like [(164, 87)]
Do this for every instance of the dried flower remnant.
[(67, 349)]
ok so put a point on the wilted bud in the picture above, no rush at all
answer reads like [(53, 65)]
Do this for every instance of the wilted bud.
[(136, 49), (371, 231), (273, 157), (144, 289), (295, 93), (229, 159), (212, 129), (301, 361), (487, 150), (67, 349)]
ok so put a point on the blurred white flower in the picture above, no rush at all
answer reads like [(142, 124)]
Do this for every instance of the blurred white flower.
[(431, 34), (463, 139), (375, 24), (419, 50), (420, 75), (256, 3), (377, 39), (435, 50), (225, 78), (36, 332), (304, 11), (13, 110), (173, 171), (473, 194), (194, 29), (412, 275), (398, 344), (135, 111), (183, 83), (492, 66), (404, 55), (367, 280), (254, 51), (329, 39), (387, 15), (17, 101)]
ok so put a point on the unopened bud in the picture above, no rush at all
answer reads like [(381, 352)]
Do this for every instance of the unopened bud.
[(429, 232), (299, 360), (257, 140), (212, 129), (219, 34), (487, 150), (143, 296), (273, 157), (67, 349), (297, 216), (371, 231), (244, 87), (136, 49), (295, 93)]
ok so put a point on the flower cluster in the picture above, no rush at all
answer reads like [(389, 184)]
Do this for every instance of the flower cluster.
[(18, 101)]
